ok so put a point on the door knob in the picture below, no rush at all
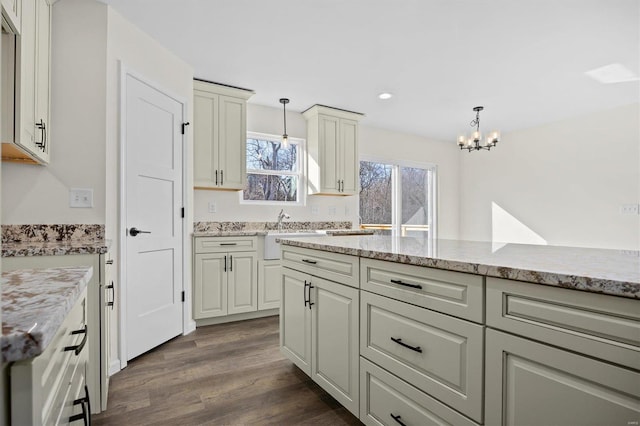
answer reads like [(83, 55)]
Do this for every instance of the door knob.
[(134, 231)]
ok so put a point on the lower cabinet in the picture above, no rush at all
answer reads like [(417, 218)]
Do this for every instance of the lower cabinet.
[(529, 383), (51, 388), (319, 333), (225, 283), (268, 284)]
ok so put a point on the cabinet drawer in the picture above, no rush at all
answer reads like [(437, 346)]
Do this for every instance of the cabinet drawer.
[(225, 244), (453, 293), (439, 354), (382, 395), (606, 327), (342, 268)]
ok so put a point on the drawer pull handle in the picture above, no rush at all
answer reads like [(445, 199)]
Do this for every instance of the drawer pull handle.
[(397, 419), (109, 262), (78, 348), (406, 284), (401, 343), (113, 295), (86, 409), (228, 244), (313, 262)]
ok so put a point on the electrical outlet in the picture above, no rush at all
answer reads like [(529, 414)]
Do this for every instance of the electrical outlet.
[(81, 198), (629, 209), (315, 210), (212, 207)]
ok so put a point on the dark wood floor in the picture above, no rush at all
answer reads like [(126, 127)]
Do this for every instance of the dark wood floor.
[(228, 374)]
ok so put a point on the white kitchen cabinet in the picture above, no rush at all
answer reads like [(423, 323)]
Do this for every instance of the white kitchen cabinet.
[(529, 383), (11, 10), (332, 149), (27, 138), (268, 284), (220, 133), (319, 332), (51, 388), (225, 276), (97, 378)]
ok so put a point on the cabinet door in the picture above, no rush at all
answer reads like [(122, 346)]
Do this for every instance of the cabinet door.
[(329, 135), (26, 79), (528, 383), (242, 282), (232, 143), (295, 319), (349, 161), (334, 345), (268, 284), (205, 139), (210, 286), (43, 75), (12, 10)]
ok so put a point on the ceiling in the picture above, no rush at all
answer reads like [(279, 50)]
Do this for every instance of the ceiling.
[(524, 60)]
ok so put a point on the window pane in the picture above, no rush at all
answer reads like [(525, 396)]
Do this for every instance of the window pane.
[(271, 155), (415, 210), (271, 188), (375, 193)]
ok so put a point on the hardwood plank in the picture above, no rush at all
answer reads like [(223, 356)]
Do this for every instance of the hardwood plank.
[(221, 374)]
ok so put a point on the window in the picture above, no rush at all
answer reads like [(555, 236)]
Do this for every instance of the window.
[(398, 198), (274, 172)]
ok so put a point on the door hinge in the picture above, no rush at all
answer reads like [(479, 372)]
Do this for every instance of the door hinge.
[(183, 296), (182, 212), (184, 125)]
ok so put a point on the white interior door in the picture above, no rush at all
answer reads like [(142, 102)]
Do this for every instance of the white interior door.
[(153, 203)]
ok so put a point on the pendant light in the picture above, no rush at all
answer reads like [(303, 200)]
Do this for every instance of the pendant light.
[(472, 143), (285, 137)]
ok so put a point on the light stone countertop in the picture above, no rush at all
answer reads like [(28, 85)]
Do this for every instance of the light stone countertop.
[(215, 233), (54, 248), (35, 303), (607, 271)]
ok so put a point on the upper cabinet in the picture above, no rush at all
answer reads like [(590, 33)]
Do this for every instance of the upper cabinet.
[(26, 58), (332, 146), (220, 136), (11, 13)]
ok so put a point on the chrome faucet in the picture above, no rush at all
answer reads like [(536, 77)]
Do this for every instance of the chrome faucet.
[(282, 215)]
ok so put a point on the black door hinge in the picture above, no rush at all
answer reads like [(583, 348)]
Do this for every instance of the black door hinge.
[(183, 296), (184, 125), (182, 212)]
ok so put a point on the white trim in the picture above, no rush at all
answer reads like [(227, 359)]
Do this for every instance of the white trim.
[(114, 367), (186, 313)]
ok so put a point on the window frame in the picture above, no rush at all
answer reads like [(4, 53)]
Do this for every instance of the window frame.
[(396, 194), (300, 173)]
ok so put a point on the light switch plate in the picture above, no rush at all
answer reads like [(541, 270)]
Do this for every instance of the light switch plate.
[(212, 207), (81, 198), (629, 209)]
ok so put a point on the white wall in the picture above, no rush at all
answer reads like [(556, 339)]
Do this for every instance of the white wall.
[(379, 143), (565, 181), (37, 194), (269, 120)]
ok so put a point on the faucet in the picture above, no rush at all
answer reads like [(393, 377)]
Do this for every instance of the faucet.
[(282, 215)]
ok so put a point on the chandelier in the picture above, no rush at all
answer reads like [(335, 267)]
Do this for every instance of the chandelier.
[(474, 142), (285, 137)]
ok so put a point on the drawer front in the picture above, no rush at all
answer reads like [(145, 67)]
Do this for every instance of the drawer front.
[(606, 327), (384, 398), (332, 266), (453, 293), (225, 244), (439, 354)]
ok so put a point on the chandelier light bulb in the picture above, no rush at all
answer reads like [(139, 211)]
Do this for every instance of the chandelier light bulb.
[(475, 142)]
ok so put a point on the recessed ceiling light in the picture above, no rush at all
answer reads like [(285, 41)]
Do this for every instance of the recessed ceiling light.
[(612, 73), (385, 95)]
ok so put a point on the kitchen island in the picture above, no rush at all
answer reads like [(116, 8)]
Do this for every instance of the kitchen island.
[(408, 330)]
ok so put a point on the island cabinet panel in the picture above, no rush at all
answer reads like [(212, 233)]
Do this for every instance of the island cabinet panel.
[(529, 383), (295, 320), (439, 354), (454, 293), (384, 399), (606, 327)]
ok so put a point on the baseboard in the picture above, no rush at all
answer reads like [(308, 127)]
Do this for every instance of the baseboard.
[(114, 367), (191, 327), (237, 317)]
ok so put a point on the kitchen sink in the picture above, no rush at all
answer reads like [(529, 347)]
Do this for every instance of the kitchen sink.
[(272, 247)]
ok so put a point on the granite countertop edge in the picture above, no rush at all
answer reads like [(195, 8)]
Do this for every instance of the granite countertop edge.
[(621, 288), (251, 233), (54, 248), (40, 300)]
